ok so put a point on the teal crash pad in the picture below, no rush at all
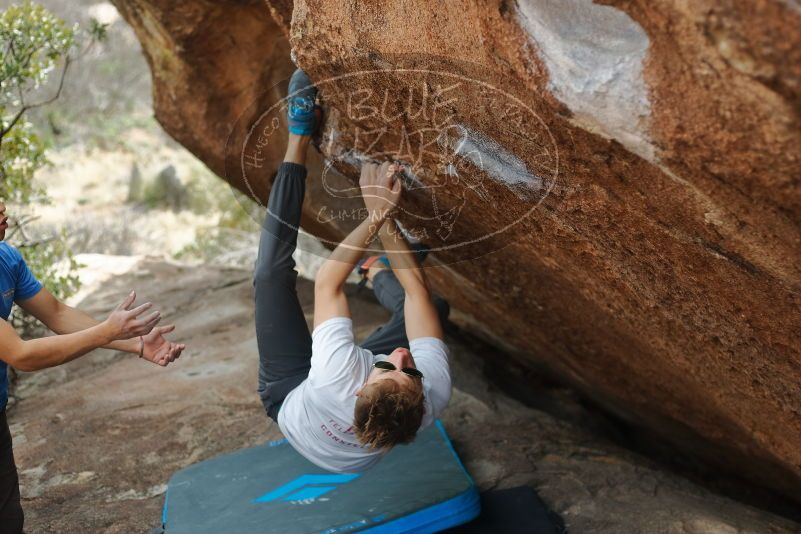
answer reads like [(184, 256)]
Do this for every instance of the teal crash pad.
[(421, 487)]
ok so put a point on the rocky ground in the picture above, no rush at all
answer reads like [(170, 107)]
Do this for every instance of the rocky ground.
[(97, 439)]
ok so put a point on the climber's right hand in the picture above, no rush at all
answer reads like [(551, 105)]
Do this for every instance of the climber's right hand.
[(381, 188)]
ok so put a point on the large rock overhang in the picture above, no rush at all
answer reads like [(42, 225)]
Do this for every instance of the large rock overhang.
[(642, 160)]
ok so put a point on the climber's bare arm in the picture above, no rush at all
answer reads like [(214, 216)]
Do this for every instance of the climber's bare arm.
[(329, 284), (421, 316), (329, 294)]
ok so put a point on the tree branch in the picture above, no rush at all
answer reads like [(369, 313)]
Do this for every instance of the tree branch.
[(13, 122), (24, 108), (19, 226), (6, 51), (67, 61)]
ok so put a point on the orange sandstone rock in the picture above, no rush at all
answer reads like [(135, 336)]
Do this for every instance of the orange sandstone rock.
[(623, 177)]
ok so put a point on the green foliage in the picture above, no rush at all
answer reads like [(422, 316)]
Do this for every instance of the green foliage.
[(58, 253), (97, 31), (33, 42), (54, 266), (22, 153)]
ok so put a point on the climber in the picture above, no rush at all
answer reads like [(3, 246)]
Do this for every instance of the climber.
[(341, 405), (126, 329)]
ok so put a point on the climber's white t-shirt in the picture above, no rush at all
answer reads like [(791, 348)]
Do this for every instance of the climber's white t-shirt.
[(317, 416)]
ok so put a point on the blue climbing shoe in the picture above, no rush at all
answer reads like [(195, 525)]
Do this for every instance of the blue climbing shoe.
[(301, 113)]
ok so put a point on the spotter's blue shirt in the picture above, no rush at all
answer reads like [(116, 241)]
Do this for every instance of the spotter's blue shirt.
[(16, 283)]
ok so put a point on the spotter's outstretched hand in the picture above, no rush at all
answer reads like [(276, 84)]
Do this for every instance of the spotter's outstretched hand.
[(126, 323), (158, 349)]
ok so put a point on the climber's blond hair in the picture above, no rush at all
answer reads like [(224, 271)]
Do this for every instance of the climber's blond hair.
[(388, 414)]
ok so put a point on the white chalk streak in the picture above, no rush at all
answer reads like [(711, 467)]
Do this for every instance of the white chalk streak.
[(497, 162)]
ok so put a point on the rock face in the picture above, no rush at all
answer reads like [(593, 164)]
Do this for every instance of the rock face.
[(622, 176)]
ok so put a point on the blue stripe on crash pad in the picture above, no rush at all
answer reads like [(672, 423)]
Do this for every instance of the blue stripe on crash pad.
[(164, 510), (309, 493), (450, 513), (302, 481)]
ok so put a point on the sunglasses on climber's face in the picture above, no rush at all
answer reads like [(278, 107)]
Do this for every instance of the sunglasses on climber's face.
[(389, 366)]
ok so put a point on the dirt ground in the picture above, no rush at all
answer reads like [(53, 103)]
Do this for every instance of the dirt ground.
[(96, 440)]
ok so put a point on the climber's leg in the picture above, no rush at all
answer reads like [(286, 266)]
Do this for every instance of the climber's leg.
[(281, 331), (282, 334)]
